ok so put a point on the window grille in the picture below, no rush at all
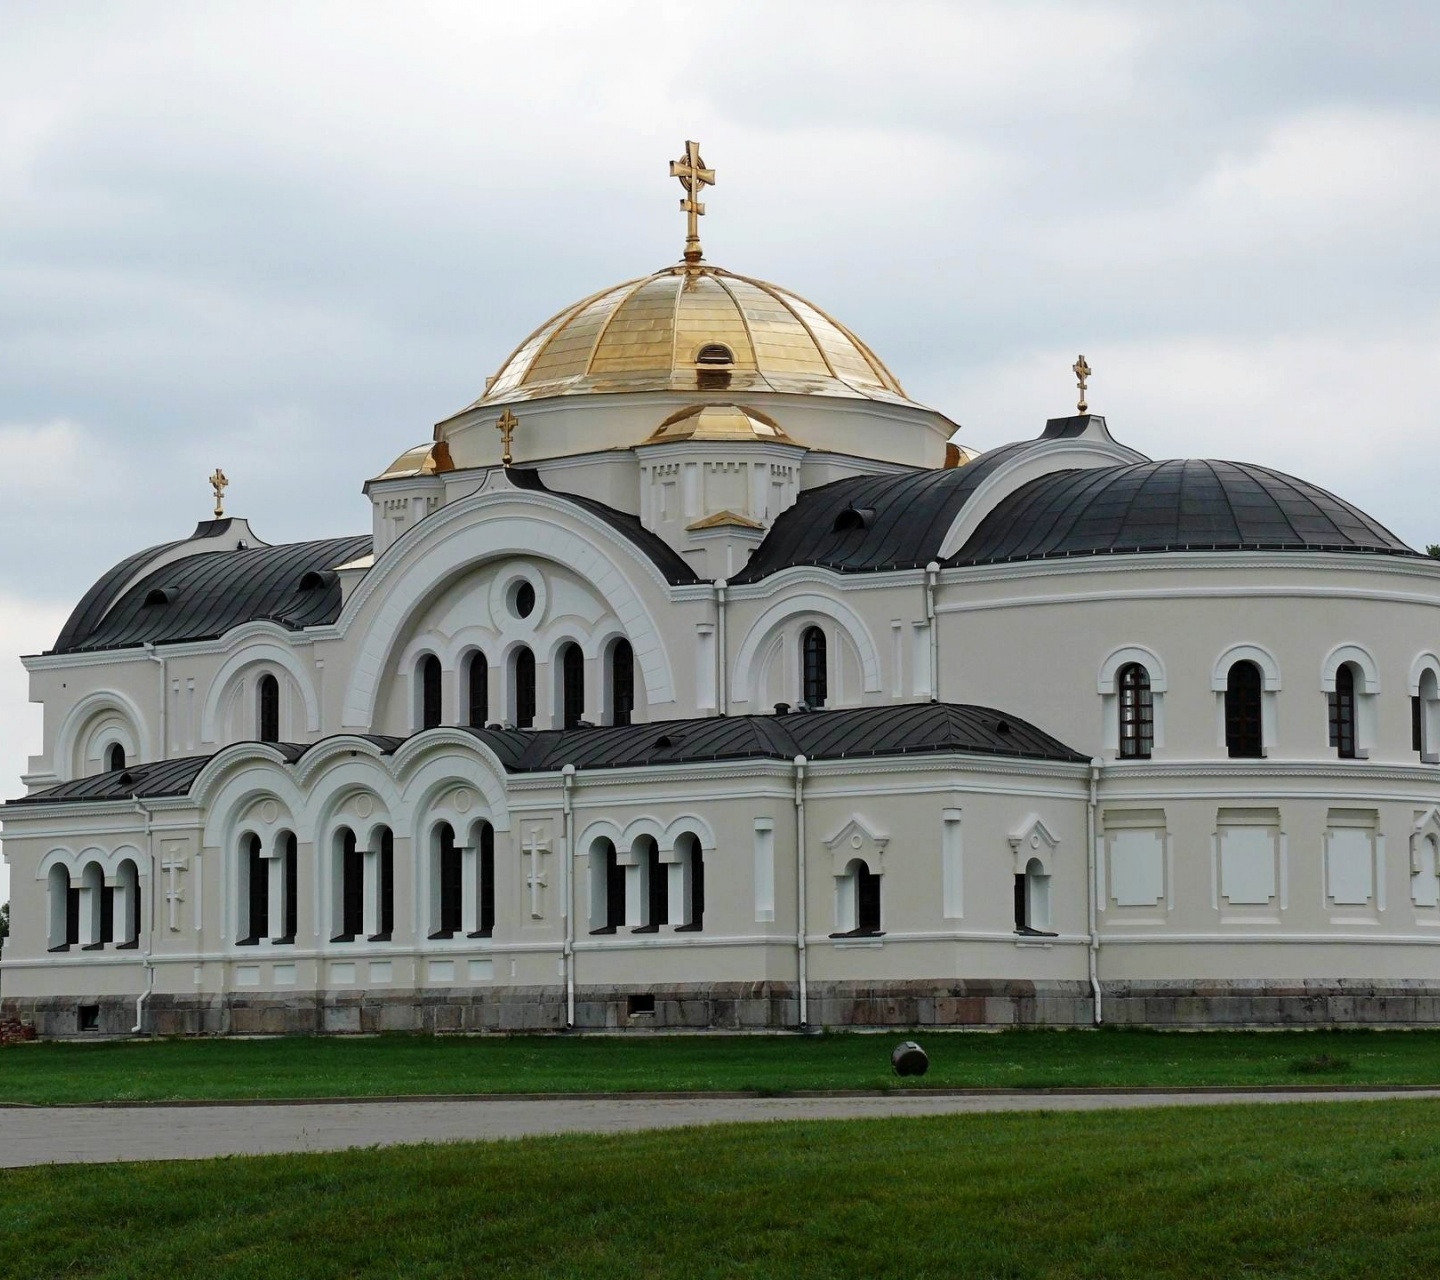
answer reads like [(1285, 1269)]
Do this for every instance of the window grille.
[(622, 682), (524, 678), (815, 684), (1243, 732), (1137, 713)]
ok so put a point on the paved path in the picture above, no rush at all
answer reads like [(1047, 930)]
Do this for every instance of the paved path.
[(76, 1135)]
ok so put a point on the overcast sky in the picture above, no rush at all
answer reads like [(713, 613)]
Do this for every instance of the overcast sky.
[(286, 238)]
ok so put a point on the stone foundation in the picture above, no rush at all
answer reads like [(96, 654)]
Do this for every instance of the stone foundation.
[(744, 1007)]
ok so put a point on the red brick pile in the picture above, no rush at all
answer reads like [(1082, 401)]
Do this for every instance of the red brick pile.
[(12, 1031)]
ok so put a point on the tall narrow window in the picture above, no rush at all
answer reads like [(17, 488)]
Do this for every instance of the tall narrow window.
[(1342, 713), (523, 677), (1243, 732), (59, 934), (115, 757), (428, 669), (477, 684), (349, 888), (857, 904), (291, 923), (386, 912), (690, 867), (1137, 712), (255, 900), (107, 915), (268, 716), (815, 685), (622, 682), (446, 890), (656, 907), (1425, 717), (572, 678), (485, 896), (607, 889), (127, 922)]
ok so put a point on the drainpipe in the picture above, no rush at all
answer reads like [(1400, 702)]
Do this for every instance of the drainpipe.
[(1091, 892), (567, 893), (932, 575), (722, 683), (150, 922), (164, 753), (801, 921)]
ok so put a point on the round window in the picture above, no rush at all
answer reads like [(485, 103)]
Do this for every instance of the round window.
[(523, 601)]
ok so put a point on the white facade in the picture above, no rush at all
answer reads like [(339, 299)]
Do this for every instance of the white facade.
[(1296, 879)]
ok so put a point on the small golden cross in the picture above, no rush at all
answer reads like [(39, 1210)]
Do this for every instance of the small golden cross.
[(694, 177), (218, 482), (1082, 372), (505, 424)]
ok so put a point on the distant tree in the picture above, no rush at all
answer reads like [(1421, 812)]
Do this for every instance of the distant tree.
[(4, 924), (1433, 551)]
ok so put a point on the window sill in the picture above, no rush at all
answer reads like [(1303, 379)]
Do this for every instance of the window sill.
[(1025, 931), (133, 945), (481, 933), (860, 933), (93, 946), (283, 942), (64, 946), (646, 928), (441, 935), (609, 928), (689, 928), (252, 941), (343, 937)]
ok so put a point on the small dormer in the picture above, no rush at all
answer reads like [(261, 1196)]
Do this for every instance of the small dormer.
[(408, 490)]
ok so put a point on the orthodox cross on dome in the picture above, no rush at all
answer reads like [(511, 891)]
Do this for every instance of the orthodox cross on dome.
[(694, 177), (1082, 374), (218, 482), (505, 424)]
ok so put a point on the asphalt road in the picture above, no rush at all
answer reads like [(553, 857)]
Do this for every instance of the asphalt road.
[(79, 1135)]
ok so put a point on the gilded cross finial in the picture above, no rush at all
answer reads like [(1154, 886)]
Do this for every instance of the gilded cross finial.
[(505, 424), (1082, 374), (694, 177), (218, 482)]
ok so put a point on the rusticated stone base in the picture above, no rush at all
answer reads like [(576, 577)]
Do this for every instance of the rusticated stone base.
[(744, 1007)]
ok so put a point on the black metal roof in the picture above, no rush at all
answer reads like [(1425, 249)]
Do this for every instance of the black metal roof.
[(1178, 505), (203, 596), (853, 733), (867, 523), (670, 562)]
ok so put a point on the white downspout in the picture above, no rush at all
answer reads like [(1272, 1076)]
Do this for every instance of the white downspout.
[(164, 753), (1092, 891), (801, 921), (567, 893), (150, 921), (932, 575), (722, 683)]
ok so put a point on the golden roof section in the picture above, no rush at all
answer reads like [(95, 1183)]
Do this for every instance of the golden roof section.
[(959, 455), (722, 518), (692, 327), (422, 460), (719, 422)]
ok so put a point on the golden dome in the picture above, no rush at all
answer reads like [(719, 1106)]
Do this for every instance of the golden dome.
[(692, 327), (719, 422)]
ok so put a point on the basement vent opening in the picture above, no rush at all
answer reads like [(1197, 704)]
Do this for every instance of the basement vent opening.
[(639, 1005), (87, 1017)]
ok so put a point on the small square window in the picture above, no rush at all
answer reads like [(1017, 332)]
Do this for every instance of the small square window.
[(87, 1017)]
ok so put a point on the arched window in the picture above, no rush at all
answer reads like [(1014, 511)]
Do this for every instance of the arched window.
[(254, 920), (1032, 900), (431, 711), (385, 889), (607, 888), (92, 895), (815, 677), (64, 931), (446, 883), (1243, 733), (485, 896), (1137, 712), (127, 904), (115, 757), (285, 915), (268, 712), (572, 686), (1425, 717), (857, 901), (622, 682), (522, 678), (654, 887), (1342, 712), (477, 684), (349, 888), (689, 867)]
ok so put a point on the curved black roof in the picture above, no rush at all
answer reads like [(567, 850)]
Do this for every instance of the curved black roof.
[(894, 521), (670, 562), (1179, 505), (852, 733), (203, 596)]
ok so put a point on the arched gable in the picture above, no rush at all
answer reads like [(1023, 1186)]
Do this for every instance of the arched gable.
[(253, 653), (1123, 657), (454, 540), (69, 738), (1427, 661), (761, 632), (1358, 657)]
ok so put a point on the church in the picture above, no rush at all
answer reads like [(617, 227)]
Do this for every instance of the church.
[(694, 677)]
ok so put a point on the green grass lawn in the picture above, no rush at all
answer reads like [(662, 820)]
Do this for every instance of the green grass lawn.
[(389, 1065), (1311, 1190)]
